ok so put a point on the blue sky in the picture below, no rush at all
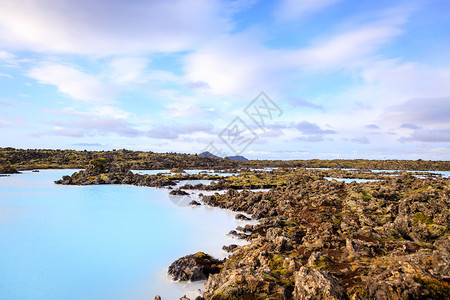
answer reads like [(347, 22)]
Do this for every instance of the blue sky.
[(352, 79)]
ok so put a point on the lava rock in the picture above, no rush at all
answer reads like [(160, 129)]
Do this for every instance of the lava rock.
[(194, 267), (178, 192), (229, 248), (315, 284), (242, 217)]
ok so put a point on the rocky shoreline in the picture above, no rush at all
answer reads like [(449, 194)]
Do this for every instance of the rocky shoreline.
[(320, 239), (330, 240)]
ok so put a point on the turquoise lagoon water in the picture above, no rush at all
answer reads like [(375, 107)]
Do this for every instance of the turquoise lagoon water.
[(186, 172), (98, 242), (349, 180)]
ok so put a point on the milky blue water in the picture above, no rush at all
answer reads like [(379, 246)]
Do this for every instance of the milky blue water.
[(349, 180), (186, 172), (445, 174), (98, 242)]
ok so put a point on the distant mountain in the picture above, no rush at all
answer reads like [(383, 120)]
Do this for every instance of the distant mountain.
[(237, 158), (208, 154)]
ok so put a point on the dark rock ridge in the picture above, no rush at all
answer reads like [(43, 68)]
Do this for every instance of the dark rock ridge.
[(207, 154), (178, 192), (237, 158), (8, 170), (29, 159), (194, 267)]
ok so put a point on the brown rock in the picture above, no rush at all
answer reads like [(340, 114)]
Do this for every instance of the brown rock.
[(312, 284)]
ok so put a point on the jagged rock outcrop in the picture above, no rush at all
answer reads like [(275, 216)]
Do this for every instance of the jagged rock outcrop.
[(194, 267), (8, 170), (178, 192), (229, 248), (242, 217), (312, 284)]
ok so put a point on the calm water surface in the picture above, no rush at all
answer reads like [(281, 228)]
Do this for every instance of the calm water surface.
[(98, 242)]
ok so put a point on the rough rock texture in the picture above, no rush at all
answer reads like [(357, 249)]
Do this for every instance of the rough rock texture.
[(312, 284), (242, 217), (318, 239), (8, 170), (230, 248), (178, 192), (194, 267)]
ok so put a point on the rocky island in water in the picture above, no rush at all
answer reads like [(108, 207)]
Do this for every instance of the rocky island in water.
[(386, 237)]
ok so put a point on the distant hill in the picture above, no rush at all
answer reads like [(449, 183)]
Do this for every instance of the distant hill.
[(208, 154), (237, 158)]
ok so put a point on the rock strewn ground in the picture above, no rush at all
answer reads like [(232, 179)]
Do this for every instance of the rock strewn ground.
[(329, 240)]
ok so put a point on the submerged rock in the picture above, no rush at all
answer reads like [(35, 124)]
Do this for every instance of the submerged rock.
[(194, 267), (178, 192)]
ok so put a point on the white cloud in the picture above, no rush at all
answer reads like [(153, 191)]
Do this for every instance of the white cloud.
[(127, 69), (291, 9), (437, 135), (6, 75), (174, 132), (411, 79), (348, 49), (4, 123), (440, 151), (188, 109), (419, 111), (92, 125), (232, 64), (104, 27), (73, 83), (6, 55), (360, 140)]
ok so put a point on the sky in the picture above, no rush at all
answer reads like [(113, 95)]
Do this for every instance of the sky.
[(285, 79)]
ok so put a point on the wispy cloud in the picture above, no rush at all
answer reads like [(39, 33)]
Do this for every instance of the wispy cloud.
[(419, 111), (289, 10), (73, 83), (88, 144), (437, 135), (346, 50), (106, 27), (299, 102), (309, 128), (92, 125), (360, 140), (127, 69), (409, 126), (4, 123), (372, 126), (173, 132), (6, 75), (235, 63)]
